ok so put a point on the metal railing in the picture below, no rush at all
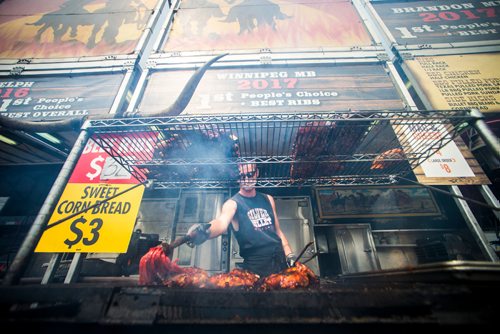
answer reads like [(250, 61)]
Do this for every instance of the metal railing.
[(291, 149)]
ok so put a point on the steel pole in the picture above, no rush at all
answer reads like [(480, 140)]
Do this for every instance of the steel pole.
[(485, 133), (21, 260), (474, 227)]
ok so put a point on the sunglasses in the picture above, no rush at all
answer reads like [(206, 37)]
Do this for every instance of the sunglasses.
[(248, 174)]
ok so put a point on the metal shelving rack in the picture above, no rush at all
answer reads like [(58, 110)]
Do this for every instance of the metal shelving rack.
[(291, 149)]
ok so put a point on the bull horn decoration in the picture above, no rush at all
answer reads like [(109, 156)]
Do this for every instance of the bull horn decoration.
[(69, 124), (187, 92), (75, 123)]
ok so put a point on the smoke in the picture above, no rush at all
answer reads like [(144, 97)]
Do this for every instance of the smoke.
[(197, 155)]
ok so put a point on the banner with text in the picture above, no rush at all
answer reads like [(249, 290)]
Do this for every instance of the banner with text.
[(58, 97), (71, 28), (456, 82), (277, 89), (444, 21), (256, 24), (103, 197)]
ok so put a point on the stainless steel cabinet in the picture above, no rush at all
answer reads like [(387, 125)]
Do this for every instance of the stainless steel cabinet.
[(356, 248)]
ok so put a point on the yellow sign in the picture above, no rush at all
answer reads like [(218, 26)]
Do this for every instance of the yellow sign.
[(105, 228), (459, 81)]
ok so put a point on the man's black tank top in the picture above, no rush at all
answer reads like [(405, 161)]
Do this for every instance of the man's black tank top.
[(256, 234)]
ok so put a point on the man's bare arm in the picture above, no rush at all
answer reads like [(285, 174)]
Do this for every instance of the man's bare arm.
[(220, 224)]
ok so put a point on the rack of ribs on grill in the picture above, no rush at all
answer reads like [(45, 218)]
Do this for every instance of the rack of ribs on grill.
[(298, 276), (156, 268), (235, 278), (324, 140), (190, 278)]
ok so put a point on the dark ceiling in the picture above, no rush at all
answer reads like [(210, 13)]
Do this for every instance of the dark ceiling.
[(21, 148)]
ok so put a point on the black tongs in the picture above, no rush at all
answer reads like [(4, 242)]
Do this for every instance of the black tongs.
[(303, 251)]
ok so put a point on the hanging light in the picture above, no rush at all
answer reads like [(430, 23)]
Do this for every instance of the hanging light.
[(49, 137), (7, 140)]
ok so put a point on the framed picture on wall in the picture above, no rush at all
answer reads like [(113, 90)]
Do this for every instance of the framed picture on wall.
[(376, 202)]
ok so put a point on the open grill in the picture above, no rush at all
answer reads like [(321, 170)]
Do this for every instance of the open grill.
[(334, 148)]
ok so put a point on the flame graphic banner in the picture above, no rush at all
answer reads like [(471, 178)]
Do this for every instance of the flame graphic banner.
[(249, 24), (71, 28)]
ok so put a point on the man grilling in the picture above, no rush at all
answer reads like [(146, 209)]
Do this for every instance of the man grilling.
[(252, 216)]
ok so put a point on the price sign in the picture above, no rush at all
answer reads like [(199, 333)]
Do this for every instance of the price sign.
[(100, 203), (448, 165), (105, 228), (79, 234), (96, 166), (112, 170), (448, 161)]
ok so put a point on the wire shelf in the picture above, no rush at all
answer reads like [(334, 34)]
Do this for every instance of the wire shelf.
[(292, 149)]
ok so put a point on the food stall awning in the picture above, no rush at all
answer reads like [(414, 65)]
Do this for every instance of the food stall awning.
[(290, 149)]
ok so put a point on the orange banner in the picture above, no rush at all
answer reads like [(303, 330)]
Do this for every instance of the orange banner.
[(250, 24)]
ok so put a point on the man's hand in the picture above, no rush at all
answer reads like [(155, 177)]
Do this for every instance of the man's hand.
[(166, 248), (198, 234), (290, 260)]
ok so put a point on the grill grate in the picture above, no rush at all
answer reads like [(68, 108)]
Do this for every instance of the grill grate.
[(335, 148)]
